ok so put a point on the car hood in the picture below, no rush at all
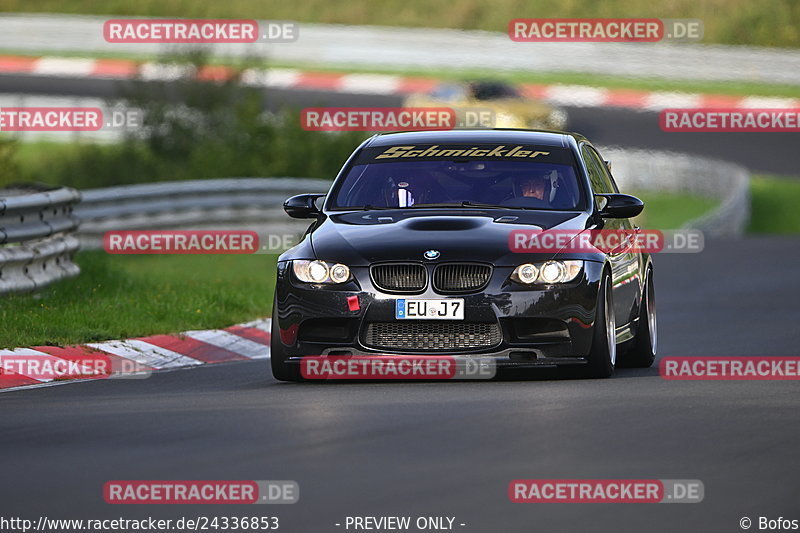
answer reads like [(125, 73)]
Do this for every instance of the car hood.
[(365, 237)]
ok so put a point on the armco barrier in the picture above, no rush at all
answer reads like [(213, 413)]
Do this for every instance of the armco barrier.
[(255, 203), (37, 238), (693, 175), (213, 203)]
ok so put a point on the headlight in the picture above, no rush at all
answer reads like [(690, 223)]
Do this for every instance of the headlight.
[(339, 273), (527, 273), (549, 272), (320, 272), (553, 271)]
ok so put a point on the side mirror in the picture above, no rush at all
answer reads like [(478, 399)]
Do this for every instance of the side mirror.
[(615, 205), (302, 206)]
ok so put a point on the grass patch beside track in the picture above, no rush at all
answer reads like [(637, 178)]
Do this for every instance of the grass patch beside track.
[(775, 205), (671, 211), (122, 296)]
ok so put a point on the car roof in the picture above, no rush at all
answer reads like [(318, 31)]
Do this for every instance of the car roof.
[(539, 137)]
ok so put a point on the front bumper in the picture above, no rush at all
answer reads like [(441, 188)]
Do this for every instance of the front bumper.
[(544, 326)]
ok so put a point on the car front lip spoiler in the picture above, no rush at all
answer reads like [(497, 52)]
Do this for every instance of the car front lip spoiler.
[(501, 358)]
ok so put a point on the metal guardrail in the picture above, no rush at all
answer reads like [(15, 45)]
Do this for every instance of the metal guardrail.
[(37, 237), (38, 229), (218, 203), (725, 182), (256, 202)]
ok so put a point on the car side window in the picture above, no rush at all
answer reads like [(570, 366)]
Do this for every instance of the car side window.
[(598, 173), (605, 170), (599, 185)]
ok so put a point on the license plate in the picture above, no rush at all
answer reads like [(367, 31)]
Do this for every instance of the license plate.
[(445, 309)]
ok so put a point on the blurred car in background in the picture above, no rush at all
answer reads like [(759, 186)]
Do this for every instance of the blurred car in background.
[(511, 109)]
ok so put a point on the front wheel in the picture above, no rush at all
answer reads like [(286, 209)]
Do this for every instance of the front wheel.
[(603, 355), (643, 352)]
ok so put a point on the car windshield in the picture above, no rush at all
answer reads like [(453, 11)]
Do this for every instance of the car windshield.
[(492, 91), (547, 180)]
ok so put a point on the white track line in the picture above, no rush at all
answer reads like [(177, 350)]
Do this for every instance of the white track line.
[(27, 352), (370, 83), (275, 77), (60, 66), (158, 71), (264, 324), (145, 353), (763, 102), (577, 95), (661, 100), (229, 341)]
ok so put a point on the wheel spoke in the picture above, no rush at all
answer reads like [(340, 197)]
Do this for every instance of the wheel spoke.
[(611, 324)]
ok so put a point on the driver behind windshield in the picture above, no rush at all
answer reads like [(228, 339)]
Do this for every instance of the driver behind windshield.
[(532, 187), (530, 190)]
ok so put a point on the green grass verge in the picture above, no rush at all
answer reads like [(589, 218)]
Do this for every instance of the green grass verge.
[(122, 296), (285, 151), (774, 205), (766, 23), (671, 211)]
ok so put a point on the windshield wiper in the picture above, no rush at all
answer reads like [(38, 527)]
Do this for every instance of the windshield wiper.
[(465, 203), (430, 205)]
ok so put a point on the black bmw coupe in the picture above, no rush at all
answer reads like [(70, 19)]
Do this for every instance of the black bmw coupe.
[(412, 252)]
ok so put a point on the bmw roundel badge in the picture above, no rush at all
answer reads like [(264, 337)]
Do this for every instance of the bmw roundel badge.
[(432, 254)]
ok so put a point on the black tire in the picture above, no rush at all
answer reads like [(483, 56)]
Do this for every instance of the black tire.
[(602, 356), (281, 370), (643, 351)]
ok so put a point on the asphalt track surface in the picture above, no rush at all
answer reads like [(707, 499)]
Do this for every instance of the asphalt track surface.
[(449, 448), (761, 152)]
